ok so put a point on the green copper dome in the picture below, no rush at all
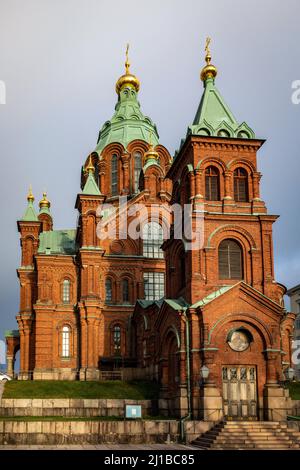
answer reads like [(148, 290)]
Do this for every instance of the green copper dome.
[(127, 124), (214, 117)]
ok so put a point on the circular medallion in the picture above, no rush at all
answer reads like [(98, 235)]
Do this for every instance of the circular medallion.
[(239, 341)]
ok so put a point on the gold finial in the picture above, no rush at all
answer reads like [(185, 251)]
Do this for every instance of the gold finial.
[(207, 50), (128, 79), (44, 202), (90, 168), (127, 63), (30, 196), (151, 152), (209, 71)]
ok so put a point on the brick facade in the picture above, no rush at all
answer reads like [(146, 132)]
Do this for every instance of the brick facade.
[(82, 297)]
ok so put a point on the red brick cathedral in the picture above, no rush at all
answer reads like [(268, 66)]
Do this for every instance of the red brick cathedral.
[(206, 320)]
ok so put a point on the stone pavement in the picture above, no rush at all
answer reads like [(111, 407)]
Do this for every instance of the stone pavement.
[(112, 447)]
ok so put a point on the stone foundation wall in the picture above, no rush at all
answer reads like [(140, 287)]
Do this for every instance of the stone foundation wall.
[(72, 407), (92, 432)]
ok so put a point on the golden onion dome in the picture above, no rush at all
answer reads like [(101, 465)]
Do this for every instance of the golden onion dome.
[(151, 153), (209, 71), (128, 79), (44, 202), (30, 196)]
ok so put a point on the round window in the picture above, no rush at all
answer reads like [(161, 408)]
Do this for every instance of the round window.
[(239, 341)]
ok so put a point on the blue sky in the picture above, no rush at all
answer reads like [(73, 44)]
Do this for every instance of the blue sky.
[(60, 60)]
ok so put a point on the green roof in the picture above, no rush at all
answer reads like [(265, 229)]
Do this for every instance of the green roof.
[(58, 242), (212, 296), (11, 333), (214, 118), (91, 187), (30, 214), (127, 124)]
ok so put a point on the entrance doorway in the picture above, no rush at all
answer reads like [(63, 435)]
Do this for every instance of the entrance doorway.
[(239, 392)]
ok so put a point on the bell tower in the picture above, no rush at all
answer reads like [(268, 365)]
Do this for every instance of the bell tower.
[(215, 172)]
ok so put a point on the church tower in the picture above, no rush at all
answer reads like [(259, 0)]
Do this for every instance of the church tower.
[(223, 313)]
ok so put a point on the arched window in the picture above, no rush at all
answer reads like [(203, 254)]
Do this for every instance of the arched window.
[(152, 240), (240, 178), (66, 341), (212, 184), (66, 291), (114, 175), (137, 170), (230, 260), (108, 290), (125, 290), (117, 340)]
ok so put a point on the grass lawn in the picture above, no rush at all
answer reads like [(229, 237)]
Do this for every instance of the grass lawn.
[(135, 390), (294, 388)]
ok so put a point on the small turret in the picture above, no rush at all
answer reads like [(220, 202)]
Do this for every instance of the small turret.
[(44, 215)]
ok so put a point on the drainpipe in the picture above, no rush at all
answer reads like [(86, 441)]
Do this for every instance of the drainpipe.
[(188, 377)]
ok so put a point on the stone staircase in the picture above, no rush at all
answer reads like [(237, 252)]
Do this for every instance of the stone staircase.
[(249, 435)]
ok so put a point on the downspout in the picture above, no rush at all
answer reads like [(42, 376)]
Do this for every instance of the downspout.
[(188, 378)]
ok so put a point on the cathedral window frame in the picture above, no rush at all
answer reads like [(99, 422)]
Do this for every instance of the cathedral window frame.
[(212, 183), (114, 174), (109, 291), (226, 272), (127, 297), (240, 194), (66, 334), (137, 170), (154, 285), (153, 238), (66, 291)]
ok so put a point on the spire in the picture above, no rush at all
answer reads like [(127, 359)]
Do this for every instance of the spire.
[(214, 117), (44, 204), (30, 214), (128, 122), (91, 187), (128, 79)]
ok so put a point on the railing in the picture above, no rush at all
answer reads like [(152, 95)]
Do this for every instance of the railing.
[(111, 375)]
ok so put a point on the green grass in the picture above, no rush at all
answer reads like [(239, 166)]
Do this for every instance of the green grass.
[(135, 390), (294, 388)]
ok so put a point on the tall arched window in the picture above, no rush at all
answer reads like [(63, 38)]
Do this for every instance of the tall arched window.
[(230, 260), (125, 290), (108, 290), (137, 170), (240, 178), (66, 291), (114, 175), (66, 341), (152, 240), (117, 340), (212, 184)]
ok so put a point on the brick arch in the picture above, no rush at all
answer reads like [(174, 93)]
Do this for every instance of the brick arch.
[(230, 231), (211, 161), (244, 319), (170, 347), (115, 147), (241, 163)]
